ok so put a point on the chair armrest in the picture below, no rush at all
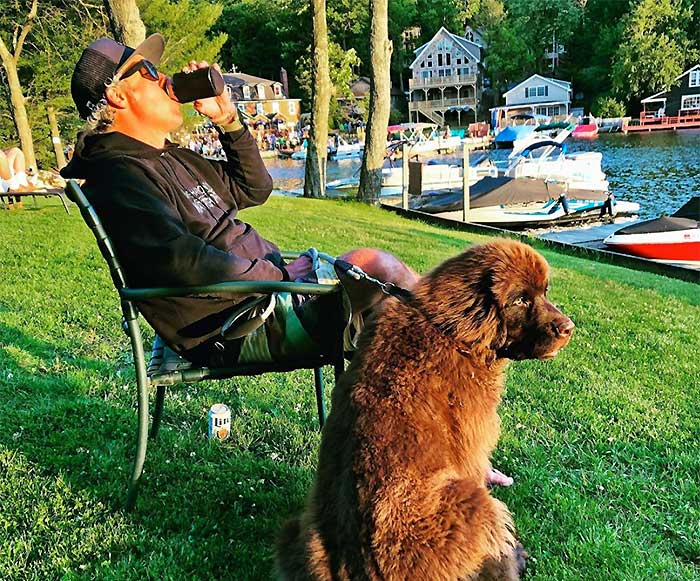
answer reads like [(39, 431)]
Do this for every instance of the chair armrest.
[(233, 287)]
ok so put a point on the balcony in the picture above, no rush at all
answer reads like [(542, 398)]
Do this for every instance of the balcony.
[(441, 104), (441, 82)]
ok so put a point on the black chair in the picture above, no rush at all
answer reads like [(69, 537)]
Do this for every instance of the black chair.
[(162, 371)]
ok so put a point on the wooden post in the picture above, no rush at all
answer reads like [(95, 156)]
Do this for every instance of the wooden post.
[(56, 138), (404, 175), (465, 182)]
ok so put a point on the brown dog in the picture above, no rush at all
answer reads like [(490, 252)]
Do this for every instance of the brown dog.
[(400, 491)]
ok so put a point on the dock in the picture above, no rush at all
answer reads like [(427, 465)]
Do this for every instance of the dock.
[(650, 123)]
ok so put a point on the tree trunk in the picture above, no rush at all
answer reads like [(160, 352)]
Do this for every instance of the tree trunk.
[(317, 149), (379, 102), (56, 138), (125, 21), (19, 111)]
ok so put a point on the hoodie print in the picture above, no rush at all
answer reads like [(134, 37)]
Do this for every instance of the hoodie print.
[(195, 189)]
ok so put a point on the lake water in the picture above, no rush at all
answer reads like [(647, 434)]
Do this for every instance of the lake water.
[(660, 171)]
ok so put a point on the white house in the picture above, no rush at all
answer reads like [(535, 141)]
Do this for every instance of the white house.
[(537, 95), (445, 79)]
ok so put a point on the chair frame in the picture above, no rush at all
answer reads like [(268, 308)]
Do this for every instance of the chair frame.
[(160, 380)]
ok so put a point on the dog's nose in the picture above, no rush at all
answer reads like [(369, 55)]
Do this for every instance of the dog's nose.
[(565, 328)]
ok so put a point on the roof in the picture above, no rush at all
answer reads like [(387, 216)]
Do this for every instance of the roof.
[(238, 80), (562, 84), (655, 97), (686, 72), (471, 48)]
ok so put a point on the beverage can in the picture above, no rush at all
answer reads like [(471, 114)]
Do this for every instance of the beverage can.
[(219, 421)]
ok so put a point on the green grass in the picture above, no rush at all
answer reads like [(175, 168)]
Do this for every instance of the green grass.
[(603, 441)]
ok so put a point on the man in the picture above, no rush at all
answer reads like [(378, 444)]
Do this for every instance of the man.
[(172, 215)]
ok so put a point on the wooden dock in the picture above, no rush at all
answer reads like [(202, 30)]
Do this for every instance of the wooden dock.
[(650, 123)]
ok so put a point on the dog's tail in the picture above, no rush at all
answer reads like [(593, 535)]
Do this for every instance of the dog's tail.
[(290, 554)]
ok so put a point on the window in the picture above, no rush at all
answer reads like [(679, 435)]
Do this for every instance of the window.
[(246, 92), (541, 111), (541, 91), (261, 92), (422, 64), (459, 61), (448, 59), (448, 72), (694, 79), (277, 89), (439, 59), (441, 73), (430, 64), (690, 102), (275, 106), (259, 109), (292, 106), (425, 74)]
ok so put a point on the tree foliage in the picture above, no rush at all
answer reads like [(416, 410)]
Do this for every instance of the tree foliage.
[(654, 50)]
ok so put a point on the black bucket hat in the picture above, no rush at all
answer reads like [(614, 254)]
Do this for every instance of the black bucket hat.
[(99, 64)]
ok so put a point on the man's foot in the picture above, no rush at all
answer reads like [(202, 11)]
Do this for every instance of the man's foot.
[(497, 478)]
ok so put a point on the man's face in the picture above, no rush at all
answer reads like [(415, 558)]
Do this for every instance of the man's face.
[(150, 104)]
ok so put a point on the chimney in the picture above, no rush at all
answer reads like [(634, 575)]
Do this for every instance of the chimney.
[(284, 81)]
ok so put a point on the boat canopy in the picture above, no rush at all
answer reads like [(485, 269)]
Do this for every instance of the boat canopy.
[(505, 191), (663, 224), (410, 127), (691, 209), (538, 144)]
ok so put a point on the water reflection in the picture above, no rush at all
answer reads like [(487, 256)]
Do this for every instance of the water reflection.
[(660, 171)]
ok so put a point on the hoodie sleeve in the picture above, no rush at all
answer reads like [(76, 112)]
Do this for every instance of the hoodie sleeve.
[(155, 246), (244, 170)]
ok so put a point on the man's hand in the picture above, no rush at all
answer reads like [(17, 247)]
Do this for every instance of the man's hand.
[(298, 267), (220, 109)]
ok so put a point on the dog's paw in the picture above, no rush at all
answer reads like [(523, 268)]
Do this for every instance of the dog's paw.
[(521, 557)]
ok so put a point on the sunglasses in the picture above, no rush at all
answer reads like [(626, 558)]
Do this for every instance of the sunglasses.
[(147, 69)]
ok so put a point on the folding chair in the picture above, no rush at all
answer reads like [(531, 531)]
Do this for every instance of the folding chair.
[(184, 372)]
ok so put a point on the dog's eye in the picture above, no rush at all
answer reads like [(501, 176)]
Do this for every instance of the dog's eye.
[(522, 301)]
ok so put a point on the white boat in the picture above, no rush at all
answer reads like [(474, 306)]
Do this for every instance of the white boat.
[(548, 160), (434, 176), (338, 150), (422, 138)]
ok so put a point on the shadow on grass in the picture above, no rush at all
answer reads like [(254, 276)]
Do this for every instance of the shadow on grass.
[(205, 504)]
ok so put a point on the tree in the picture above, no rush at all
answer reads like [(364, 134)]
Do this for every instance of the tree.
[(654, 50), (379, 102), (125, 21), (606, 106), (10, 53), (187, 27), (316, 151)]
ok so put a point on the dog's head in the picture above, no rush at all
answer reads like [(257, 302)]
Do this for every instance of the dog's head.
[(494, 297)]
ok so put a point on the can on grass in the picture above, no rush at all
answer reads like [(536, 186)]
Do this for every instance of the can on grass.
[(219, 421)]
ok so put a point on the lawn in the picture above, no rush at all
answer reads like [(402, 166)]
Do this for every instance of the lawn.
[(603, 441)]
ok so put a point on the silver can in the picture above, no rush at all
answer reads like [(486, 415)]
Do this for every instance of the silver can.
[(219, 421)]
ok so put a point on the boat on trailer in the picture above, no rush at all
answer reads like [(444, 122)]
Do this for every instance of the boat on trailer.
[(670, 239)]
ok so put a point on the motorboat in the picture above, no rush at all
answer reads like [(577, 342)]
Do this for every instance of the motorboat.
[(338, 149), (671, 239), (524, 203), (546, 132), (421, 138), (548, 160), (519, 127), (587, 129), (433, 176)]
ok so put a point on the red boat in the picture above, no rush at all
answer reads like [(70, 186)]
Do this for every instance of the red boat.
[(587, 130), (672, 239)]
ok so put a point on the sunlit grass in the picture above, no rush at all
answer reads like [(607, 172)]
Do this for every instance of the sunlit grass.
[(603, 441)]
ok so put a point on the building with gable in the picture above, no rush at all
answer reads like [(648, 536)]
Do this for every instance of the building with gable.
[(683, 99), (262, 100), (445, 85), (536, 95)]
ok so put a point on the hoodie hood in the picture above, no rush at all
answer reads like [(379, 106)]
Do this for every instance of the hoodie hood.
[(92, 152)]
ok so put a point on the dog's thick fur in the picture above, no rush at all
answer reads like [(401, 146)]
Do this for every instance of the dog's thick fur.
[(400, 491)]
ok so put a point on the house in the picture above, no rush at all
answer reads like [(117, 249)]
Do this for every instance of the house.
[(536, 95), (262, 100), (445, 81), (683, 99)]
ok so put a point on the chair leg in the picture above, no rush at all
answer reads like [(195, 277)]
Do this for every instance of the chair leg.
[(320, 406), (142, 434), (157, 411)]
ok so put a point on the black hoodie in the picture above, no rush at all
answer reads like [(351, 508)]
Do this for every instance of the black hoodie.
[(171, 215)]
